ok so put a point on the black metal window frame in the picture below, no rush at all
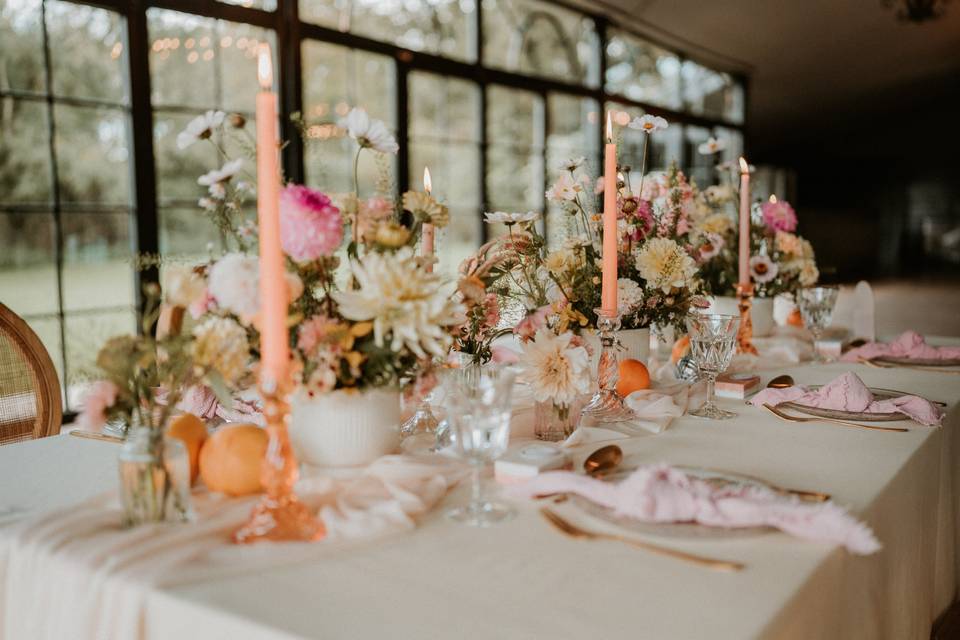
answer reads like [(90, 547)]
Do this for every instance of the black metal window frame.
[(290, 33)]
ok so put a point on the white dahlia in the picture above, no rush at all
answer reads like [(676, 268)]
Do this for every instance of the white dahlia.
[(221, 344), (665, 265), (404, 301), (556, 369)]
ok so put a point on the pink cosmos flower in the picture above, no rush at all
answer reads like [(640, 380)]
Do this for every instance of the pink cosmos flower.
[(779, 216), (713, 245), (763, 269), (310, 225), (527, 328), (100, 397)]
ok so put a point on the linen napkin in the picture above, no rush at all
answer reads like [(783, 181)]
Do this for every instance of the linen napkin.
[(909, 344), (95, 576), (661, 493), (656, 408), (848, 393)]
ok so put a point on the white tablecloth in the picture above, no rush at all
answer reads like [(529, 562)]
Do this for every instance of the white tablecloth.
[(522, 579)]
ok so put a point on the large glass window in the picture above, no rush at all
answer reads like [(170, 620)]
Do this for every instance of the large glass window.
[(492, 119), (65, 178)]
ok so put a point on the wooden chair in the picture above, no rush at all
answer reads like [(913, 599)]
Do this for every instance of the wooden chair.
[(30, 400)]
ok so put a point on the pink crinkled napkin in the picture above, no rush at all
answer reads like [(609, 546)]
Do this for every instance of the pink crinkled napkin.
[(661, 493), (848, 393), (910, 344)]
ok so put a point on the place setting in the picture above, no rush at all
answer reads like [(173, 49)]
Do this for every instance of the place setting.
[(513, 319)]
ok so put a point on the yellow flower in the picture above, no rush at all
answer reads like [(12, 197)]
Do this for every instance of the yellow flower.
[(718, 223), (426, 208), (789, 243), (392, 235), (665, 265), (559, 261)]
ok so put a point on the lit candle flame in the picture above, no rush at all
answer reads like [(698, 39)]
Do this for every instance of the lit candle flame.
[(264, 67), (609, 127), (773, 199), (427, 183), (744, 167)]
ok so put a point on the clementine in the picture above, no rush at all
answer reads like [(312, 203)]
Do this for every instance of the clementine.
[(680, 348), (795, 319), (190, 430), (633, 377), (230, 461)]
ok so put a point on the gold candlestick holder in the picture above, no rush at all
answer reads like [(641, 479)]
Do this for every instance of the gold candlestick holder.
[(279, 515), (745, 333)]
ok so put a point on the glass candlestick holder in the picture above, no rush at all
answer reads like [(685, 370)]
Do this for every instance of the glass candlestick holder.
[(607, 405)]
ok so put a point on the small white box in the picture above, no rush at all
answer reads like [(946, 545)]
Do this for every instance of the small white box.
[(526, 460)]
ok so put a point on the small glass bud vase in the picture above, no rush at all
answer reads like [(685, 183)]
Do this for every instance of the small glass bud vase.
[(554, 422), (154, 478)]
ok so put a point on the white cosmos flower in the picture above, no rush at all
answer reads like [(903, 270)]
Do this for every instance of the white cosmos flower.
[(509, 218), (405, 302), (572, 164), (565, 189), (649, 123), (221, 175), (712, 146), (369, 132), (665, 265), (763, 269), (200, 128), (556, 370)]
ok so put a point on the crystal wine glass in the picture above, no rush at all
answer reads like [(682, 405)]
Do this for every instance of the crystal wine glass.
[(479, 415), (816, 308), (713, 340)]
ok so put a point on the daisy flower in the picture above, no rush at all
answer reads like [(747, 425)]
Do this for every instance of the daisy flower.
[(712, 146), (572, 164), (508, 218), (763, 269), (565, 189), (221, 175), (200, 128), (368, 132), (649, 123)]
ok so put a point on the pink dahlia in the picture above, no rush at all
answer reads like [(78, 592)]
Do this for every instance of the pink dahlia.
[(779, 216), (310, 225), (100, 396)]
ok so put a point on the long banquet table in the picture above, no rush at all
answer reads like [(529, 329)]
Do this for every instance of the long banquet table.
[(522, 579)]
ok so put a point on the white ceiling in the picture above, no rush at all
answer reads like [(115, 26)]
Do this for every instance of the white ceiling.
[(807, 59)]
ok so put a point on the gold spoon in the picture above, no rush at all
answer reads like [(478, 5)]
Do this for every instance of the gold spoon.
[(603, 460), (781, 382), (597, 464)]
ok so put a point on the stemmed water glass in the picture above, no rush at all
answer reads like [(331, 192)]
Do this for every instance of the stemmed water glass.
[(479, 415), (713, 340), (816, 308)]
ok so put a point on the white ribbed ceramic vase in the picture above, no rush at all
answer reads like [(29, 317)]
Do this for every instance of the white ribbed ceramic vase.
[(345, 428), (761, 312)]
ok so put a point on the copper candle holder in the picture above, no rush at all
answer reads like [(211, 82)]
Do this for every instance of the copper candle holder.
[(745, 333), (279, 515)]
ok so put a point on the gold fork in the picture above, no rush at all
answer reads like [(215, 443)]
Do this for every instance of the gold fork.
[(789, 418), (572, 530), (914, 367)]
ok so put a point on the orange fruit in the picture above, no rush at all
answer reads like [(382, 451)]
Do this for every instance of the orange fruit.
[(230, 461), (633, 377), (190, 430), (795, 319), (680, 348)]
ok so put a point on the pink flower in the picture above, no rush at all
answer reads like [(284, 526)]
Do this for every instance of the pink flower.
[(372, 211), (310, 226), (200, 401), (202, 304), (504, 355), (763, 269), (527, 328), (491, 308), (779, 216), (312, 332), (100, 396), (713, 245)]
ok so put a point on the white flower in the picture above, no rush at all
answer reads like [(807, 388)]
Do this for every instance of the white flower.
[(629, 294), (182, 285), (712, 146), (507, 218), (809, 274), (763, 269), (712, 247), (207, 203), (664, 265), (234, 282), (718, 194), (649, 123), (404, 301), (368, 132), (718, 223), (572, 164), (565, 189), (556, 370), (219, 176), (200, 128), (221, 344)]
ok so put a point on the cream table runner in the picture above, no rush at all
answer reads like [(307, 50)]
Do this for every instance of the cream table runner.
[(523, 580)]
